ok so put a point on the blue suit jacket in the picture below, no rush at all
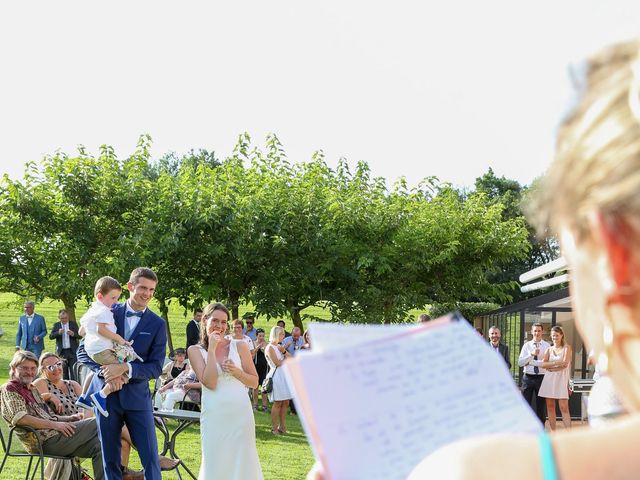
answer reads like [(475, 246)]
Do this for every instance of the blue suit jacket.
[(24, 337), (150, 342)]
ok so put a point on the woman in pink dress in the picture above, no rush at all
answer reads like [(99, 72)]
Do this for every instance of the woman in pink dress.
[(555, 385)]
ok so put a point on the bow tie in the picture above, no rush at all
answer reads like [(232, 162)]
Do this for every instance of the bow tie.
[(134, 314)]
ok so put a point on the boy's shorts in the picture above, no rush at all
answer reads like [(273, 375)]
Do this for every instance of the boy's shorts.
[(105, 357)]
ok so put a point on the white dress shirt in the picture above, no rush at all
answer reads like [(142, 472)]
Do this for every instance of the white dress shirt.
[(66, 343), (526, 357), (133, 321)]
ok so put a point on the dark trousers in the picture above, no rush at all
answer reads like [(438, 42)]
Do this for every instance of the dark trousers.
[(69, 356), (531, 387)]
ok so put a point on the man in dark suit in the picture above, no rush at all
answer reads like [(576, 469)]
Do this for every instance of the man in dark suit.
[(130, 402), (193, 328), (65, 333), (31, 331), (501, 348)]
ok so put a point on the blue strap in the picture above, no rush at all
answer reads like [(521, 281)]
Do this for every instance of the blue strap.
[(549, 471)]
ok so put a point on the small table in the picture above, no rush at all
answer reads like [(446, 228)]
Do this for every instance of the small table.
[(184, 419)]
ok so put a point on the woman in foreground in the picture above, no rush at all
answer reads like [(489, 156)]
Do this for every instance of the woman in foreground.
[(591, 199), (227, 427)]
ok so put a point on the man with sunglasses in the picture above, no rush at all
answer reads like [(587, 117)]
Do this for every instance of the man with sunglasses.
[(249, 319), (65, 333)]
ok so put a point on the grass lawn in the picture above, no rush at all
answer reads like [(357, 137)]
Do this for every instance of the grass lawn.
[(284, 457)]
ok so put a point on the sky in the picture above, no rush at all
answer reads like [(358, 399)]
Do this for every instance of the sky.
[(415, 89)]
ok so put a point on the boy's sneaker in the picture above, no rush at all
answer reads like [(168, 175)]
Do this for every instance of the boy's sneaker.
[(84, 402), (100, 403)]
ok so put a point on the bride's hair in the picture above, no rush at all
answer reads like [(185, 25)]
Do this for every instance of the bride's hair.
[(206, 314)]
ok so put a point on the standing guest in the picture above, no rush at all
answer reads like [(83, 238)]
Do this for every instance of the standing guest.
[(175, 367), (280, 395), (193, 328), (531, 357), (293, 342), (555, 385), (236, 334), (227, 425), (250, 320), (31, 331), (280, 323), (130, 401), (65, 333), (423, 318), (261, 368), (500, 348), (22, 405)]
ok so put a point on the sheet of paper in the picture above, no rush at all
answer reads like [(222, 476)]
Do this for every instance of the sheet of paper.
[(376, 409), (329, 336)]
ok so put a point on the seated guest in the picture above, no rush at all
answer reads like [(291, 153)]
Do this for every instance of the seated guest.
[(280, 323), (22, 405), (307, 340), (175, 390), (175, 367)]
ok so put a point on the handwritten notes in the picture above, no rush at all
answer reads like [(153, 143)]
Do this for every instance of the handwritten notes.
[(375, 409)]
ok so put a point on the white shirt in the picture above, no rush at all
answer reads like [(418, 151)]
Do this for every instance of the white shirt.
[(66, 343), (133, 320), (93, 342), (526, 357), (29, 319)]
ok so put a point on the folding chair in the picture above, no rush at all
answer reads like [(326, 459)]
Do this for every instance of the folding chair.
[(11, 450)]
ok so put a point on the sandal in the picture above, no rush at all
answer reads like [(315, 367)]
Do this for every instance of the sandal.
[(167, 463), (275, 432), (282, 430)]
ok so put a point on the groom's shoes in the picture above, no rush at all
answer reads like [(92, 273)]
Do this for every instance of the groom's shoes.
[(132, 474)]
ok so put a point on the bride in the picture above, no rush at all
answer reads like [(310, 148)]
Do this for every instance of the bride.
[(227, 427)]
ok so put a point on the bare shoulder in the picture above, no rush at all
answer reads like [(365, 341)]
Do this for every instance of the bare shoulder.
[(475, 458), (40, 384)]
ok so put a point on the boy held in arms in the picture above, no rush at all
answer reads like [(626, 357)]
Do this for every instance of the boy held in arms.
[(101, 342)]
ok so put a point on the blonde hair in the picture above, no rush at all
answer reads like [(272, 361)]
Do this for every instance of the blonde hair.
[(43, 357), (597, 160), (105, 284), (275, 333)]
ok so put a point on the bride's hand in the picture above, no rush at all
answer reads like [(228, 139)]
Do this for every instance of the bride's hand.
[(214, 339), (229, 367)]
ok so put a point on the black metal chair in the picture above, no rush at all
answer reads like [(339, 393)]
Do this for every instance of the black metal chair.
[(11, 450)]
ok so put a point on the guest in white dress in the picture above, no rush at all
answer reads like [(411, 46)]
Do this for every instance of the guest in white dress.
[(227, 426), (555, 385), (280, 395)]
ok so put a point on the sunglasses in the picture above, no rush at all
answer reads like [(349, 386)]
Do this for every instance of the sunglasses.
[(52, 367), (249, 323)]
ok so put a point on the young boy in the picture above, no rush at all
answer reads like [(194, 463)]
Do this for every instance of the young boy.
[(101, 342)]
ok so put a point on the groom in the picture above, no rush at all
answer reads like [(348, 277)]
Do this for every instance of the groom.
[(130, 403)]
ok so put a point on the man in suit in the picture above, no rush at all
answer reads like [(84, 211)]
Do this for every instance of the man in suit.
[(501, 348), (65, 333), (130, 402), (193, 328), (31, 331)]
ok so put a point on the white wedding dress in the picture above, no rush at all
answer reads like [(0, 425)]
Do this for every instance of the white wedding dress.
[(227, 428)]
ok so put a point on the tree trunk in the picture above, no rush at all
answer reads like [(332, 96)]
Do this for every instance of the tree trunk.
[(70, 307), (234, 298), (295, 316), (164, 313)]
